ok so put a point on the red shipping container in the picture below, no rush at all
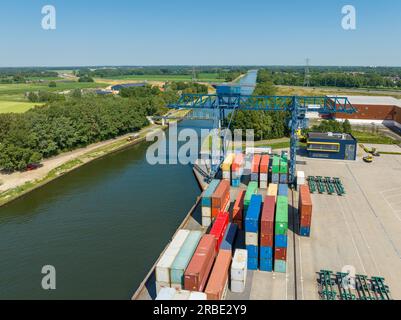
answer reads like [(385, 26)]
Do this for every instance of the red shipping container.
[(264, 164), (219, 228), (267, 219), (199, 267), (238, 162), (221, 198), (306, 221), (266, 240), (280, 254), (256, 163), (238, 209), (219, 276), (305, 201)]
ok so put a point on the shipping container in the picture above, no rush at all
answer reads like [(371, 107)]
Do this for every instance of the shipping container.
[(266, 265), (181, 295), (300, 178), (235, 182), (239, 265), (160, 285), (263, 177), (237, 286), (221, 198), (219, 276), (219, 228), (207, 194), (280, 266), (256, 163), (183, 258), (226, 165), (283, 178), (267, 217), (164, 264), (273, 190), (264, 164), (250, 191), (276, 165), (281, 224), (283, 190), (263, 184), (267, 240), (229, 237), (280, 253), (252, 263), (253, 251), (197, 296), (281, 241), (306, 221), (252, 238), (238, 163), (199, 267), (239, 206), (276, 178), (266, 253), (255, 177), (305, 231), (206, 221), (305, 201), (166, 294), (253, 214)]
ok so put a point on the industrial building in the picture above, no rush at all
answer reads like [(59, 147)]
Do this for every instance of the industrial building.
[(374, 109), (338, 146)]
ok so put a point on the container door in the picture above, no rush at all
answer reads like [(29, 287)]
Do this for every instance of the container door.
[(350, 152)]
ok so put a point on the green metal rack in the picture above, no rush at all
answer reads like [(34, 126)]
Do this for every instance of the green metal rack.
[(363, 287), (345, 293), (326, 283), (379, 287), (312, 184), (329, 186), (320, 185), (339, 186)]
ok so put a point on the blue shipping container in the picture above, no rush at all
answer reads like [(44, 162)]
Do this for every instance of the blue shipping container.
[(284, 178), (252, 263), (275, 178), (254, 177), (280, 266), (281, 241), (305, 231), (266, 265), (207, 195), (283, 190), (253, 214), (229, 237), (266, 253), (252, 251), (235, 182)]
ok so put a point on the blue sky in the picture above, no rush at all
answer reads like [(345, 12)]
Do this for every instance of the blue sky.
[(207, 32)]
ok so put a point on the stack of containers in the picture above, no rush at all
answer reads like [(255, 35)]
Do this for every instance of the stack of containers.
[(300, 179), (173, 294), (221, 198), (199, 267), (264, 172), (217, 285), (229, 237), (237, 169), (273, 190), (283, 179), (207, 203), (238, 210), (252, 231), (163, 266), (281, 232), (276, 169), (226, 166), (239, 271), (305, 210), (250, 191), (267, 234), (183, 258), (283, 190), (255, 167), (219, 228)]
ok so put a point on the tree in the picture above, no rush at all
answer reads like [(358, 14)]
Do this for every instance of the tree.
[(52, 84), (85, 78), (347, 126)]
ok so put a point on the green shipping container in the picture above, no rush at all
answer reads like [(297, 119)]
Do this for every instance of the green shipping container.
[(276, 164), (183, 258), (251, 190), (281, 225)]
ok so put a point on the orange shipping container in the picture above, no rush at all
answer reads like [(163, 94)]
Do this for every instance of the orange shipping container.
[(239, 206), (264, 164), (221, 198), (219, 276), (238, 162), (256, 163), (305, 202)]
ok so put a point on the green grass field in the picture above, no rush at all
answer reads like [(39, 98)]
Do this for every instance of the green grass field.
[(15, 106), (206, 77)]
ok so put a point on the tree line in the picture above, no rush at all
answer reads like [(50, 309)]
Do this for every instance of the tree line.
[(74, 122)]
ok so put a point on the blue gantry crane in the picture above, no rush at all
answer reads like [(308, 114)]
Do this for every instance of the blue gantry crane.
[(228, 99)]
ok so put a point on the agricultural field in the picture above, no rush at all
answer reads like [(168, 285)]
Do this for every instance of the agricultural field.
[(206, 77), (16, 106)]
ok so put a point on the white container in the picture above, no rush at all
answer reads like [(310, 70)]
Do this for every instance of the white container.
[(206, 212), (181, 295), (239, 265), (263, 177), (206, 222), (300, 182), (161, 285), (197, 296), (179, 239), (166, 294), (237, 286), (300, 174), (251, 239), (176, 286), (226, 175), (263, 184)]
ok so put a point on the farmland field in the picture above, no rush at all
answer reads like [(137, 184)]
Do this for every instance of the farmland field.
[(206, 77), (15, 106)]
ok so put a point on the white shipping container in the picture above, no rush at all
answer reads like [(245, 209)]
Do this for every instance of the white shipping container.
[(260, 150), (179, 239), (163, 267), (206, 222), (300, 174), (301, 181), (239, 265), (176, 286), (197, 296), (263, 184), (206, 212), (263, 177), (251, 239), (226, 175), (166, 294), (237, 286), (160, 285), (181, 295)]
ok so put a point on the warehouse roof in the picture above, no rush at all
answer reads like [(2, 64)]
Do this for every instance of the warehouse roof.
[(374, 100), (330, 136)]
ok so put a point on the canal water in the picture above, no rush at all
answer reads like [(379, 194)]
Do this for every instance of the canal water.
[(101, 226)]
